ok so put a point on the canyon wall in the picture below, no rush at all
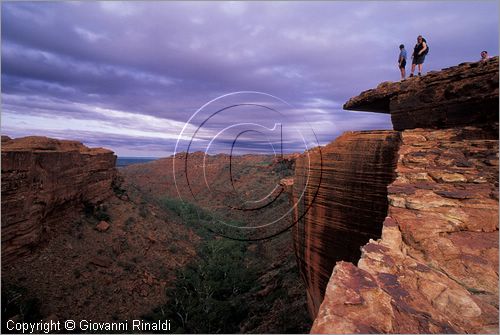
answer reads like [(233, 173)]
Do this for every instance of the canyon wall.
[(435, 268), (46, 181), (343, 189), (432, 262)]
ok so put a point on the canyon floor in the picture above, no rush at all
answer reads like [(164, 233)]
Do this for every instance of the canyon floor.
[(150, 248)]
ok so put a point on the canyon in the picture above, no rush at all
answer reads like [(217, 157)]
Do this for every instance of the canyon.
[(106, 243), (74, 243), (393, 231)]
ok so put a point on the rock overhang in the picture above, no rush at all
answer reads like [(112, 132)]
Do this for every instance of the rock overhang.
[(462, 95)]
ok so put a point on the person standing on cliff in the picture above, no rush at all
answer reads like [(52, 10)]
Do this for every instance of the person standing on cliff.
[(421, 49), (402, 61), (484, 56)]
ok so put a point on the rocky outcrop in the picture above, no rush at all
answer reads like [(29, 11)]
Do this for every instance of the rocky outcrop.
[(44, 182), (341, 196), (435, 268), (462, 95)]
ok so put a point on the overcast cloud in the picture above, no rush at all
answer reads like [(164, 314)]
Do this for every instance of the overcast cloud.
[(127, 76)]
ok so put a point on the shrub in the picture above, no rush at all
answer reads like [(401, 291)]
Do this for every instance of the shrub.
[(143, 211), (88, 209), (127, 266), (209, 294), (284, 167), (117, 186), (129, 222), (102, 215), (192, 215), (173, 248)]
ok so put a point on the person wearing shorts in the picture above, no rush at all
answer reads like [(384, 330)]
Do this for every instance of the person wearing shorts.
[(418, 56), (402, 61)]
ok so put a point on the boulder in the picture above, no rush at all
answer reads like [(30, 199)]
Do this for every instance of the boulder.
[(102, 226)]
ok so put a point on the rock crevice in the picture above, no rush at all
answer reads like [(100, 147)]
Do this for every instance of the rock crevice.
[(436, 263), (341, 196)]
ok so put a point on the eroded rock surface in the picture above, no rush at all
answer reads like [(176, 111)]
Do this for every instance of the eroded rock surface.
[(46, 181), (435, 268), (343, 204), (463, 95)]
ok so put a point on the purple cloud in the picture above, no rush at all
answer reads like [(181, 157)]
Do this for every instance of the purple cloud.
[(111, 72)]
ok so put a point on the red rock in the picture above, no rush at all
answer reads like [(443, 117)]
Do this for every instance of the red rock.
[(45, 182), (102, 261), (462, 95), (346, 184), (435, 267), (102, 226)]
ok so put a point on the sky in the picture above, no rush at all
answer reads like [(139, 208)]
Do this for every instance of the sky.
[(150, 78)]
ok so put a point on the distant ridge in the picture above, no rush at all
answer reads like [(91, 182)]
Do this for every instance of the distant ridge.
[(125, 161)]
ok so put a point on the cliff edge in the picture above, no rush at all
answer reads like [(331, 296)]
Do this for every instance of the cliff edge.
[(462, 95), (427, 261), (46, 181)]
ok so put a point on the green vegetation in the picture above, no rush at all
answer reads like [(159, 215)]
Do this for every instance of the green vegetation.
[(200, 219), (209, 295), (99, 213), (220, 290), (285, 167), (129, 223), (192, 215), (117, 187), (186, 210), (143, 211)]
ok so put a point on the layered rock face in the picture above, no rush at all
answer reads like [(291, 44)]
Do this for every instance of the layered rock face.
[(462, 95), (434, 268), (45, 181), (341, 196)]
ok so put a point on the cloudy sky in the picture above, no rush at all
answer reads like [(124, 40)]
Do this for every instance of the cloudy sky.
[(128, 76)]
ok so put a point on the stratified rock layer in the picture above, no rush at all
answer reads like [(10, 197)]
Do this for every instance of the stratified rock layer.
[(340, 193), (462, 95), (435, 268), (46, 181)]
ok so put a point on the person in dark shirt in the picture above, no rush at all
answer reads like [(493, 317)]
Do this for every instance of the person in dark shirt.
[(418, 56), (402, 61), (484, 56)]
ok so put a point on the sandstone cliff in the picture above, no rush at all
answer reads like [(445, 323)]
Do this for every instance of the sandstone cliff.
[(432, 263), (462, 95), (435, 268), (44, 182), (345, 196)]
